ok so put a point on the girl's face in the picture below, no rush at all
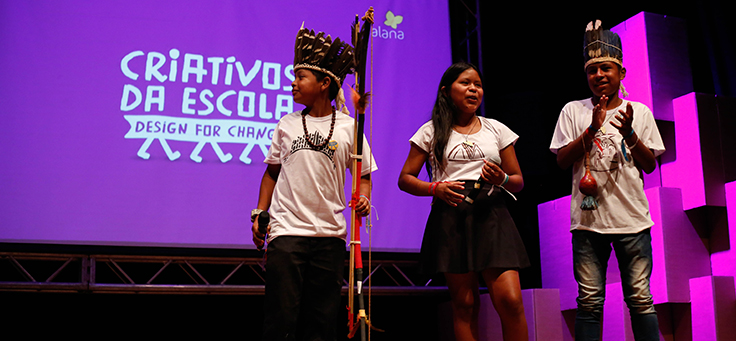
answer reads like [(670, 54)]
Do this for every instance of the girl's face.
[(466, 92), (306, 88)]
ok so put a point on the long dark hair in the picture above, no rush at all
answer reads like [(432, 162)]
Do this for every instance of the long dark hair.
[(444, 111)]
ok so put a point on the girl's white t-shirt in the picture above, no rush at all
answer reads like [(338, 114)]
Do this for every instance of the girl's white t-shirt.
[(464, 154)]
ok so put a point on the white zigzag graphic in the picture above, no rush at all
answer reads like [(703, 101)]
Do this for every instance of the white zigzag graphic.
[(201, 131)]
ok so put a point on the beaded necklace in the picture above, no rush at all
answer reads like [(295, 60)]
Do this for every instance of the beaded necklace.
[(305, 112)]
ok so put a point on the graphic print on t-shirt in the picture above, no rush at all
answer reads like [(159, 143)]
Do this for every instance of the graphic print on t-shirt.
[(466, 151), (604, 158), (300, 143)]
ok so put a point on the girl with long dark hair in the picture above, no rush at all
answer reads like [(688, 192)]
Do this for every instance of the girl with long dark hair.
[(469, 235)]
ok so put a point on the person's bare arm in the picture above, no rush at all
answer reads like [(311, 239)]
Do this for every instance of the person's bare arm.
[(408, 181), (268, 183)]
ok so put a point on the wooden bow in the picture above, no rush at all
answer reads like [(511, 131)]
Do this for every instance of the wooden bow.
[(360, 36)]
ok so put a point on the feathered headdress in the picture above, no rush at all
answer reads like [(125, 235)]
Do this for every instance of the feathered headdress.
[(317, 52), (602, 46)]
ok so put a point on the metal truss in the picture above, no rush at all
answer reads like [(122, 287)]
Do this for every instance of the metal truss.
[(465, 32), (145, 274)]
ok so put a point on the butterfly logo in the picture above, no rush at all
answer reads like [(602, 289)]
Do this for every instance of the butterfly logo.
[(393, 20)]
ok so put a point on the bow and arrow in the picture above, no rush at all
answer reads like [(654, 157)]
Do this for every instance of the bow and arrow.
[(360, 38)]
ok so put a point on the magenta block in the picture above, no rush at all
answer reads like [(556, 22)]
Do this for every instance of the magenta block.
[(724, 263), (658, 67), (638, 82), (542, 308), (555, 250), (713, 308), (656, 59), (698, 169), (678, 252)]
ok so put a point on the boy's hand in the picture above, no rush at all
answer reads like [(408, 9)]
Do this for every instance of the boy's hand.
[(363, 206), (599, 113), (259, 238), (625, 118)]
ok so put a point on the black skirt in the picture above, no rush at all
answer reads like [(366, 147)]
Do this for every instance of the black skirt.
[(472, 238)]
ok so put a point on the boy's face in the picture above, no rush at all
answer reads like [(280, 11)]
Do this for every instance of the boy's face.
[(306, 88), (604, 78)]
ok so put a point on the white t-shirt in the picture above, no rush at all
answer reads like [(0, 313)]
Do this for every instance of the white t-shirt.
[(464, 161), (309, 196), (622, 204)]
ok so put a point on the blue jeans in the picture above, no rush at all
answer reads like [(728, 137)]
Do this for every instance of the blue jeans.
[(591, 252)]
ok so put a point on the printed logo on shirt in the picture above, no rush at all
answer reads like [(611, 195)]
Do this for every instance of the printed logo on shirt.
[(466, 151), (605, 155), (300, 143), (605, 158)]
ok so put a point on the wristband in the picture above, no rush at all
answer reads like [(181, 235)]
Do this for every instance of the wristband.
[(633, 145), (431, 188), (505, 180), (631, 133), (254, 214), (591, 132)]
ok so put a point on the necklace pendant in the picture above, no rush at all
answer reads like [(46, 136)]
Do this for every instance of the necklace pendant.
[(332, 145), (469, 143)]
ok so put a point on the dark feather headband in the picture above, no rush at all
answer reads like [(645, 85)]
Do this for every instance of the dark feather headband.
[(601, 45), (317, 52)]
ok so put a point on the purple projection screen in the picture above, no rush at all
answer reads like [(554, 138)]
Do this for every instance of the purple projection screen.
[(142, 123)]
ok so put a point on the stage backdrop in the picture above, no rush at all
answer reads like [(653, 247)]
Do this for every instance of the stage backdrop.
[(146, 123)]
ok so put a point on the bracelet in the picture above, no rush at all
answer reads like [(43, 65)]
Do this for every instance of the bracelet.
[(635, 143), (631, 133), (590, 131), (366, 198), (506, 180), (433, 187), (631, 147), (254, 214)]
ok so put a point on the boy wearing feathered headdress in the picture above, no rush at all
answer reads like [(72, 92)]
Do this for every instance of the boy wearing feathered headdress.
[(303, 188), (609, 141)]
